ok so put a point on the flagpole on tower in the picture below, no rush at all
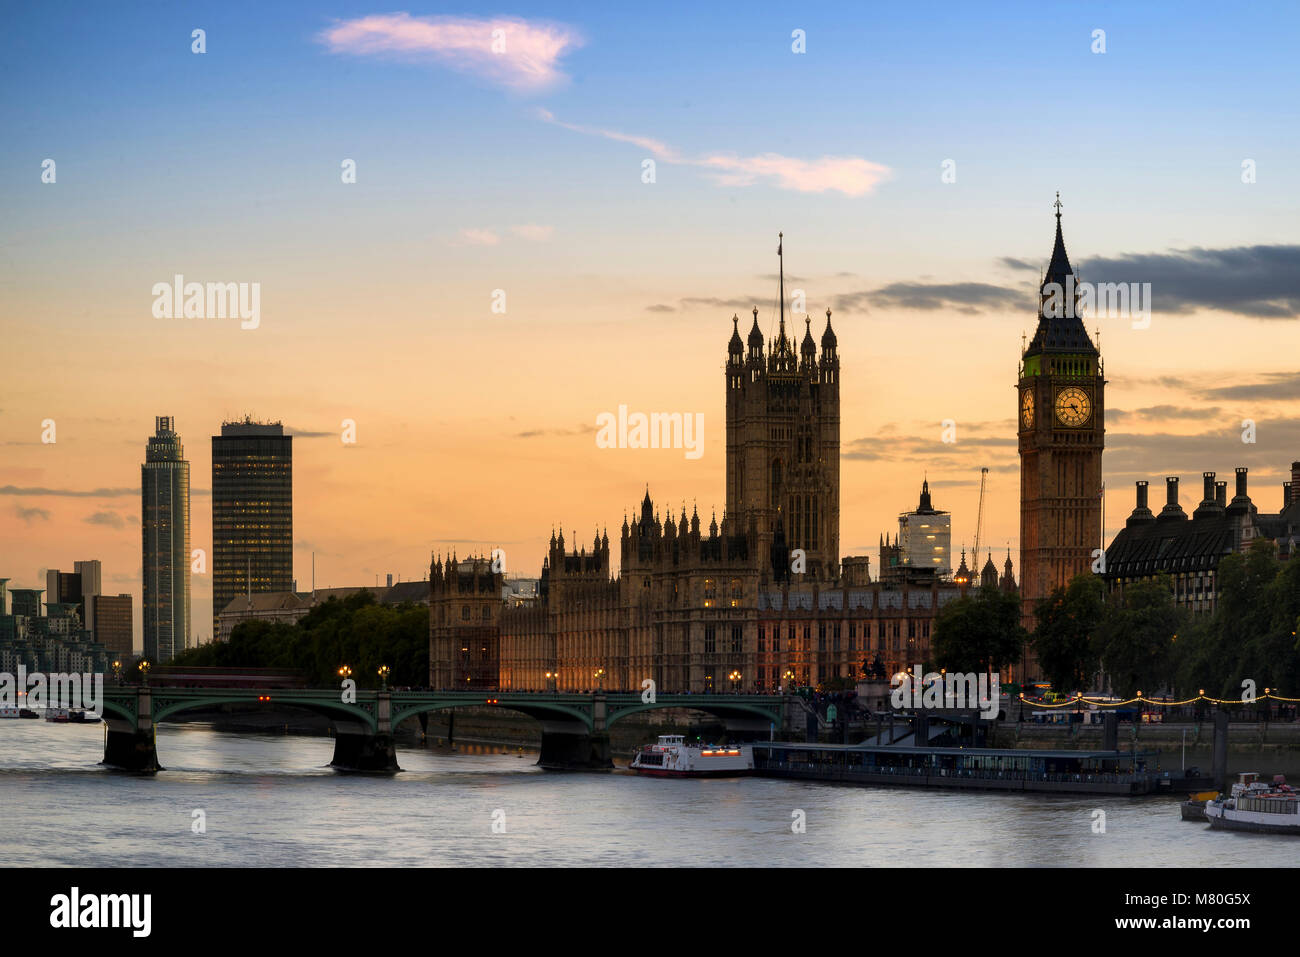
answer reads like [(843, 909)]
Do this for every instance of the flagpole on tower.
[(780, 241)]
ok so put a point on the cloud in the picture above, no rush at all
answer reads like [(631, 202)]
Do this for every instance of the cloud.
[(1275, 385), (1259, 282), (518, 54), (308, 434), (966, 297), (538, 433), (1164, 413), (1152, 456), (479, 237), (660, 307), (533, 232), (72, 493), (850, 175), (29, 514), (111, 519)]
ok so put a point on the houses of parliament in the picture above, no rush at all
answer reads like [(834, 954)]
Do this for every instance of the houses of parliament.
[(762, 599)]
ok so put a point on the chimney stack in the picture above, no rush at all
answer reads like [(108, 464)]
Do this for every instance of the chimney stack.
[(1172, 509), (1208, 508), (1141, 513), (1221, 494), (1241, 501), (1295, 482)]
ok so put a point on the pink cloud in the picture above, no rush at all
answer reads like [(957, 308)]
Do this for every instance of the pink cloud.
[(851, 175), (479, 237), (516, 53), (533, 232)]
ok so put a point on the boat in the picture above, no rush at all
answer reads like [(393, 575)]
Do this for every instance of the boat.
[(1193, 809), (10, 712), (57, 714), (1257, 807), (79, 716), (672, 757)]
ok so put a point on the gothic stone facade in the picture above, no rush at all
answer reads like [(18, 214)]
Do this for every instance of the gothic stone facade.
[(757, 601)]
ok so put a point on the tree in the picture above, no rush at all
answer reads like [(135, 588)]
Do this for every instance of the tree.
[(1137, 635), (355, 631), (980, 632), (1064, 638)]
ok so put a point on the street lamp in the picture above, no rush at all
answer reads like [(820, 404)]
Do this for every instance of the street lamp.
[(384, 672), (551, 677), (117, 671), (144, 667), (735, 679), (600, 673), (345, 672)]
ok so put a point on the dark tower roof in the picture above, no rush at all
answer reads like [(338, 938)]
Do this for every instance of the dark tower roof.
[(924, 507), (808, 346), (734, 345), (828, 337), (756, 334), (1060, 327)]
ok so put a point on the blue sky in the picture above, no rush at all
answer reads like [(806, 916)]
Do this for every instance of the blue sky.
[(226, 166)]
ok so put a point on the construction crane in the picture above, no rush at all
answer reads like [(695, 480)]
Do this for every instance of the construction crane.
[(979, 523)]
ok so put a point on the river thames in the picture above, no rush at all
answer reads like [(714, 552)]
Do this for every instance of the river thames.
[(268, 800)]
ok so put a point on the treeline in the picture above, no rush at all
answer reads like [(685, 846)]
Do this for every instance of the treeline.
[(355, 631), (1146, 643)]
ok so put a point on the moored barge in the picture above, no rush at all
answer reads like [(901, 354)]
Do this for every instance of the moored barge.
[(1061, 772)]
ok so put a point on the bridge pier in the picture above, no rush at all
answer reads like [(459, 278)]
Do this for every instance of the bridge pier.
[(364, 753), (570, 746), (567, 750), (131, 745), (359, 749)]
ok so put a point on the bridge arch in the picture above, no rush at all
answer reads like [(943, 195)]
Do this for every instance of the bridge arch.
[(165, 707), (538, 711)]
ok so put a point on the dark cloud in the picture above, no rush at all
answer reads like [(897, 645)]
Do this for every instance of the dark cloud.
[(40, 490), (713, 302), (1163, 413), (29, 515), (538, 433), (965, 297), (72, 493), (660, 307), (1277, 441), (1274, 385), (1012, 263), (307, 434), (1260, 282), (111, 519)]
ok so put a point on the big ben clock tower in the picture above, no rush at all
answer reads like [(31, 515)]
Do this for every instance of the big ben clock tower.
[(1060, 406)]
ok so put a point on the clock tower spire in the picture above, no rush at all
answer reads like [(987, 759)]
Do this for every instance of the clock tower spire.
[(1062, 434)]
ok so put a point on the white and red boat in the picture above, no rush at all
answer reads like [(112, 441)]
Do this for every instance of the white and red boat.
[(1255, 806), (672, 757)]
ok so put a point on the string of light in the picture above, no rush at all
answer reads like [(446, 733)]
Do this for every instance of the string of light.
[(1079, 699)]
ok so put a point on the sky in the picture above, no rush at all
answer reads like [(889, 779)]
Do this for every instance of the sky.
[(501, 272)]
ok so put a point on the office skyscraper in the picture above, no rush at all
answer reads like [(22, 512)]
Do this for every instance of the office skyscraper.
[(165, 517), (252, 511)]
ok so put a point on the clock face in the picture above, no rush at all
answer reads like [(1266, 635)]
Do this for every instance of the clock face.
[(1073, 407), (1027, 408)]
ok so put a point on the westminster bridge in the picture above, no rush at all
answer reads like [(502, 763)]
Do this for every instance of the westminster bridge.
[(575, 727)]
